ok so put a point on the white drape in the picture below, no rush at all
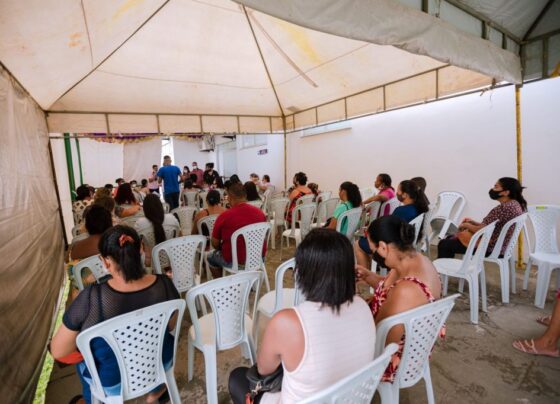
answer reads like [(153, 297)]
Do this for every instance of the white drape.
[(138, 159)]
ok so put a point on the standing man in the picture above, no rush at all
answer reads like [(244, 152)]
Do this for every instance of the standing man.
[(153, 184), (210, 175), (199, 174), (170, 175)]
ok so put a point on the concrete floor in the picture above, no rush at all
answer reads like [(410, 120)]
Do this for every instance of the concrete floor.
[(474, 364)]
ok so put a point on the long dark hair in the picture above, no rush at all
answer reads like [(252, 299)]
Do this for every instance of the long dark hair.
[(122, 244), (353, 193), (515, 190), (251, 191), (124, 194), (325, 268), (300, 178), (415, 193), (385, 179), (213, 198), (392, 229), (98, 219), (153, 210)]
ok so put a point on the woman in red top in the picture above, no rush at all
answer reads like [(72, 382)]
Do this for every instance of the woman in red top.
[(300, 189)]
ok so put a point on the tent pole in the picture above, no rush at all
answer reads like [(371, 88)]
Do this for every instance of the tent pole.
[(79, 160), (70, 165), (285, 154), (519, 163)]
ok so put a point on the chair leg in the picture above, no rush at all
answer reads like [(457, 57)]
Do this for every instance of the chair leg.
[(445, 284), (504, 279), (255, 330), (210, 369), (190, 359), (543, 280), (483, 296), (511, 264), (172, 386), (266, 281), (462, 285), (386, 391), (251, 345), (526, 276), (473, 297), (429, 387), (273, 236)]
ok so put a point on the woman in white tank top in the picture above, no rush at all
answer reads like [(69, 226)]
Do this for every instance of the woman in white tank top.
[(325, 338)]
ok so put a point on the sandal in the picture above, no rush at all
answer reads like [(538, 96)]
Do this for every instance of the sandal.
[(528, 346), (544, 320)]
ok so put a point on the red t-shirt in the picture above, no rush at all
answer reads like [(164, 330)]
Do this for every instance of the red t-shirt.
[(231, 220)]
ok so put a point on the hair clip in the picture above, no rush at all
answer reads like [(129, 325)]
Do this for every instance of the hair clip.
[(124, 238)]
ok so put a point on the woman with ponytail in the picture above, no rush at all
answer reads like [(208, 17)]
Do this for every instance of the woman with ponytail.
[(129, 288), (412, 281), (350, 198)]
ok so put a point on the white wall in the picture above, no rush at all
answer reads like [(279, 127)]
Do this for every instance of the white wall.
[(272, 163), (185, 152), (102, 163)]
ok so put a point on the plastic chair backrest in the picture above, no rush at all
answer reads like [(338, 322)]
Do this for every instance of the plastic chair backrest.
[(544, 219), (186, 218), (517, 223), (476, 250), (266, 196), (255, 236), (323, 196), (358, 387), (76, 230), (278, 207), (330, 206), (95, 266), (279, 285), (149, 237), (417, 222), (136, 339), (422, 326), (303, 215), (393, 204), (367, 193), (321, 215), (189, 198), (228, 297), (372, 211), (130, 221), (449, 205), (309, 198), (352, 218), (258, 203), (208, 222), (201, 201), (182, 253)]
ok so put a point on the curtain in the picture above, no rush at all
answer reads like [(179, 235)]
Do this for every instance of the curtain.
[(139, 158), (31, 242)]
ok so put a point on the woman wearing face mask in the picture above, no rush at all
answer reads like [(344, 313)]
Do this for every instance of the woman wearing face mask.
[(509, 192), (413, 203), (413, 281), (386, 192), (299, 189)]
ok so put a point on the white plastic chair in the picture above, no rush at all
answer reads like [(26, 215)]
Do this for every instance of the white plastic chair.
[(226, 327), (471, 268), (323, 196), (186, 264), (188, 198), (367, 193), (277, 299), (136, 338), (76, 230), (417, 222), (309, 198), (357, 388), (166, 207), (303, 215), (545, 256), (149, 239), (95, 266), (130, 221), (201, 202), (449, 206), (325, 210), (427, 230), (352, 218), (393, 204), (186, 218), (255, 236), (208, 222), (422, 326), (277, 216), (372, 211), (506, 263), (258, 203)]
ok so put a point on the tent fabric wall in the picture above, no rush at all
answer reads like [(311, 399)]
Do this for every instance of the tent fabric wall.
[(138, 158), (102, 163), (31, 243)]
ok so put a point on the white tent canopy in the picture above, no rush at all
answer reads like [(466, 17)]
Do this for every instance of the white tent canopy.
[(161, 66)]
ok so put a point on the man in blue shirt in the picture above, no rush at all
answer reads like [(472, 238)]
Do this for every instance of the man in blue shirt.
[(170, 175)]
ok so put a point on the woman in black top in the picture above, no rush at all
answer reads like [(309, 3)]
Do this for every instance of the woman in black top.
[(129, 289)]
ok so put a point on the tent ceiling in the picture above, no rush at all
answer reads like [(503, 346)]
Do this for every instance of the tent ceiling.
[(214, 57)]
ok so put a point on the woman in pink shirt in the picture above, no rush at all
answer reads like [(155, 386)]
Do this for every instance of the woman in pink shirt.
[(386, 192)]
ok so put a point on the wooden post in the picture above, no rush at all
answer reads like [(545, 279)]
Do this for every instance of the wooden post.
[(519, 163)]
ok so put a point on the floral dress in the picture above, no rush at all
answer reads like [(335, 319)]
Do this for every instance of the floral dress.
[(379, 297)]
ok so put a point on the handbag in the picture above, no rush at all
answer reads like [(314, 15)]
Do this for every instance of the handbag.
[(258, 384)]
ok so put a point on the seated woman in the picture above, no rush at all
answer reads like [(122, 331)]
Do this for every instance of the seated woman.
[(129, 289), (386, 192), (297, 191), (413, 203), (509, 193), (251, 191), (325, 338), (264, 184), (213, 199), (83, 200), (127, 205), (144, 187), (422, 184), (350, 198), (154, 220), (98, 220), (412, 281), (314, 188)]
